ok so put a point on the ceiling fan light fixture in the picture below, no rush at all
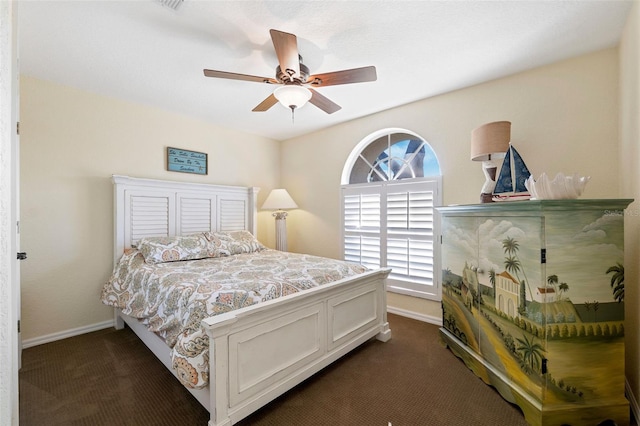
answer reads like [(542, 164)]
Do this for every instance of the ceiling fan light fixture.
[(292, 96)]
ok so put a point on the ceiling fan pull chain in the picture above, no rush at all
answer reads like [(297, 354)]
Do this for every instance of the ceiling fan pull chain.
[(293, 108)]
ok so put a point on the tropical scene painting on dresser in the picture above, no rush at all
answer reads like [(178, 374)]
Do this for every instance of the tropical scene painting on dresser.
[(541, 299)]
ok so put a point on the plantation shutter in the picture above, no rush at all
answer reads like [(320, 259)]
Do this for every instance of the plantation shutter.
[(391, 224), (361, 207), (410, 232)]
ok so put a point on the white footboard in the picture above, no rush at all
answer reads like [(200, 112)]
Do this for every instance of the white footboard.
[(259, 352)]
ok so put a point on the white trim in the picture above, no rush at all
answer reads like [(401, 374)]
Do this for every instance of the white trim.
[(415, 315), (66, 334), (9, 283)]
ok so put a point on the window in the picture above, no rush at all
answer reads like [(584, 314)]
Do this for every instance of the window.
[(392, 184)]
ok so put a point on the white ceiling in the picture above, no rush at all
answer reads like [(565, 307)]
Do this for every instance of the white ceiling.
[(144, 52)]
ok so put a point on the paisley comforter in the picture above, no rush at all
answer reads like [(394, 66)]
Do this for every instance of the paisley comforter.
[(172, 298)]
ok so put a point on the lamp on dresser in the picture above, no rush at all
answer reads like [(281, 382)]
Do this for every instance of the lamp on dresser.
[(489, 143), (280, 200)]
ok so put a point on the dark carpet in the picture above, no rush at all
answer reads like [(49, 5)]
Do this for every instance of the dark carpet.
[(109, 377)]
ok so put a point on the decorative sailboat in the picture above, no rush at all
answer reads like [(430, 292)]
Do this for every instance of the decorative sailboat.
[(510, 182)]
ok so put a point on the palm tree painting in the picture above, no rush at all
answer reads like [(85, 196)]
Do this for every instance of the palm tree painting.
[(552, 280), (617, 281), (512, 263), (510, 246), (562, 288), (532, 353)]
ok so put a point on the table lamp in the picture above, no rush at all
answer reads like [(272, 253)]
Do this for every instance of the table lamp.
[(490, 143), (280, 200)]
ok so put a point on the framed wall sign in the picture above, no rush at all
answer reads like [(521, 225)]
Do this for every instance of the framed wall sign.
[(181, 160)]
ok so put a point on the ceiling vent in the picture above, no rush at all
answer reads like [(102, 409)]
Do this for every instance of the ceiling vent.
[(173, 4)]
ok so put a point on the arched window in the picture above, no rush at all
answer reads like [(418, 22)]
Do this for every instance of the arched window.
[(390, 185)]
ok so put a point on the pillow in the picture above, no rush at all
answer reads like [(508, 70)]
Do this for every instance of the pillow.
[(172, 249), (234, 242), (218, 246)]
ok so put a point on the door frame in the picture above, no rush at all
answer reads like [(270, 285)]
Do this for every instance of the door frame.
[(9, 272)]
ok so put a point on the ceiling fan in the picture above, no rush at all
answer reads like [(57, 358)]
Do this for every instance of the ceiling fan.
[(296, 83)]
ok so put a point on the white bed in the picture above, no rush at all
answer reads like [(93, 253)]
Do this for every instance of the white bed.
[(308, 330)]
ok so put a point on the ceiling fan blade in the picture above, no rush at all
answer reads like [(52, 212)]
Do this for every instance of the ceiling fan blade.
[(236, 76), (323, 102), (266, 104), (355, 75), (286, 46)]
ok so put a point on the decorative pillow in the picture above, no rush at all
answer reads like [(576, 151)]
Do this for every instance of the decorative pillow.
[(218, 244), (172, 249), (244, 242), (234, 242)]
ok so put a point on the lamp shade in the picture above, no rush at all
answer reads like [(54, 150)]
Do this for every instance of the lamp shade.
[(490, 140), (292, 96), (279, 199)]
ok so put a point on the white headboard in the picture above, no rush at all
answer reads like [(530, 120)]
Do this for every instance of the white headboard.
[(149, 207)]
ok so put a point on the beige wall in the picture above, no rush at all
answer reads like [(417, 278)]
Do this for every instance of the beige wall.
[(629, 172), (72, 142), (564, 119)]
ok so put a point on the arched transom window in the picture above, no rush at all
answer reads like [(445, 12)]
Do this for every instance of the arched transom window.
[(390, 185), (394, 156)]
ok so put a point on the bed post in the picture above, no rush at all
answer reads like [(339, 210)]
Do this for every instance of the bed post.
[(219, 372), (253, 210), (118, 322), (118, 234), (385, 331), (118, 217)]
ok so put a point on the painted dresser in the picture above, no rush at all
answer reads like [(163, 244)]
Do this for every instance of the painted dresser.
[(533, 303)]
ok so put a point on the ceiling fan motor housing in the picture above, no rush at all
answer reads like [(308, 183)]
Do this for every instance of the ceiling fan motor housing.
[(285, 78)]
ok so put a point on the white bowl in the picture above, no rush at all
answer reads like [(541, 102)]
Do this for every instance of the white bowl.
[(560, 188)]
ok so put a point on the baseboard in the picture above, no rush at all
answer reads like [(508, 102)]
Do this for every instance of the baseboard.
[(633, 401), (415, 315), (65, 334)]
